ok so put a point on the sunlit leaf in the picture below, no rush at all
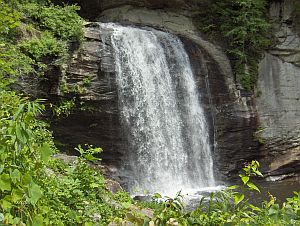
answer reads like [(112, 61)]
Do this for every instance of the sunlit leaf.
[(245, 179), (38, 220), (46, 152), (5, 182), (35, 193), (16, 195), (238, 198), (15, 176), (252, 186)]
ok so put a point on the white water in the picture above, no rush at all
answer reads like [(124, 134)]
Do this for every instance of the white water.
[(160, 109)]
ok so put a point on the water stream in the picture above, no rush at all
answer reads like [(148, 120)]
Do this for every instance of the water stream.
[(161, 113)]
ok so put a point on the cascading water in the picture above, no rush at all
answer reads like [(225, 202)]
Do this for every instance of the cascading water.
[(167, 130)]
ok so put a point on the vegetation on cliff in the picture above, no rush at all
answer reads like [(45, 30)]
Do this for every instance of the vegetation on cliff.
[(245, 26)]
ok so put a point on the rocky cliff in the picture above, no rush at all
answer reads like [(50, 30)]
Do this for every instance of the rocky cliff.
[(245, 127), (231, 115), (278, 101)]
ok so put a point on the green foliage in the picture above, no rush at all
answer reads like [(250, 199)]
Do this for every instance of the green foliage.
[(74, 89), (229, 207), (23, 141), (89, 152), (44, 47), (64, 108), (12, 62), (36, 189), (60, 24), (9, 18), (245, 27), (64, 22)]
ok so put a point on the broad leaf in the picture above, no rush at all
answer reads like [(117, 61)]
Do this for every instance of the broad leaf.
[(238, 198), (46, 152), (245, 179), (233, 187), (252, 186), (6, 204), (5, 183), (16, 195), (37, 220), (35, 193), (15, 176)]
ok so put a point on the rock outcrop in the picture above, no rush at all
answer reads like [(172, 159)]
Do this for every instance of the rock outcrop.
[(278, 101)]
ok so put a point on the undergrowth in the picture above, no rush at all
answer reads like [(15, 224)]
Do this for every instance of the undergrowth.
[(228, 207), (36, 189)]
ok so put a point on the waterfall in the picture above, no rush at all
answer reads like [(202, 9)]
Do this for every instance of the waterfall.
[(168, 134)]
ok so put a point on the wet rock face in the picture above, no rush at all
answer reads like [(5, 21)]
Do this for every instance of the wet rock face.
[(96, 121), (231, 117), (278, 103)]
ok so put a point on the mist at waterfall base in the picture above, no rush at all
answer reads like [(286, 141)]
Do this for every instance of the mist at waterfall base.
[(169, 149)]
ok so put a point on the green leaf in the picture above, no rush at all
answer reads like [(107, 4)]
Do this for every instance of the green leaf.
[(232, 187), (20, 134), (5, 204), (26, 179), (1, 167), (15, 176), (252, 186), (94, 185), (16, 195), (126, 205), (238, 198), (5, 183), (272, 211), (157, 196), (255, 208), (35, 193), (245, 179), (46, 152), (37, 220)]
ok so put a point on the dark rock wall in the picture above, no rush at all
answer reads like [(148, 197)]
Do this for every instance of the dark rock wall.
[(231, 129), (96, 120), (278, 101)]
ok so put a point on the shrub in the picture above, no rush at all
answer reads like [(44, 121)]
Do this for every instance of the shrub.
[(63, 22), (36, 189), (13, 62), (44, 46), (9, 18), (230, 207)]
